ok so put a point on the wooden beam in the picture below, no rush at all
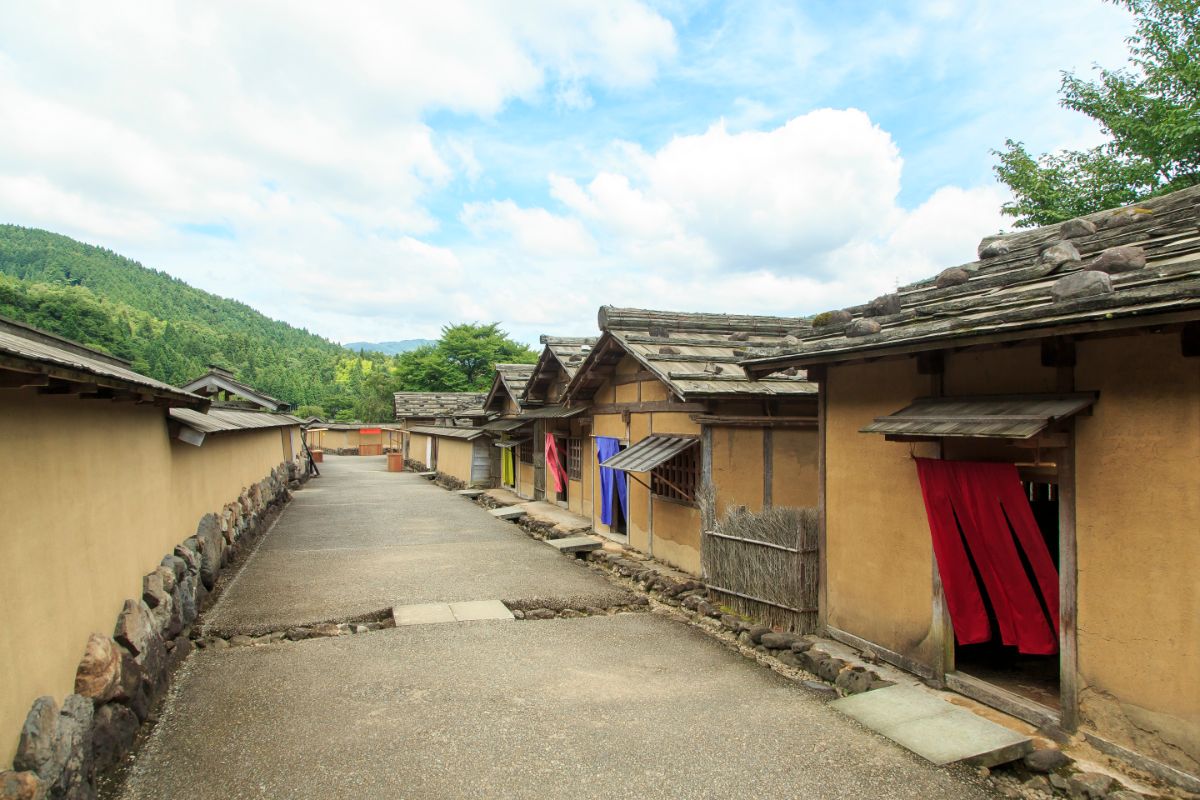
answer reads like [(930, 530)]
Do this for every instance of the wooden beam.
[(1058, 351), (931, 363), (650, 406), (68, 387), (22, 380), (751, 421)]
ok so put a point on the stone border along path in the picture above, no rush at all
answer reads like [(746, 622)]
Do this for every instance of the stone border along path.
[(827, 668)]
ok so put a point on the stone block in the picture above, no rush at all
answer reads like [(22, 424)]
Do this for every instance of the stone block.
[(1046, 760), (778, 641), (98, 675), (756, 633), (1075, 228), (992, 246), (135, 627), (38, 746), (1078, 285), (955, 276), (863, 327), (884, 306), (1060, 253), (1090, 786), (1126, 258), (22, 786)]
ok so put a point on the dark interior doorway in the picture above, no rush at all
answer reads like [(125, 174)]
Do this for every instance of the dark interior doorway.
[(1035, 677)]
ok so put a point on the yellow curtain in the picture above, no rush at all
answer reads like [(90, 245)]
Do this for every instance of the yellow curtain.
[(507, 473)]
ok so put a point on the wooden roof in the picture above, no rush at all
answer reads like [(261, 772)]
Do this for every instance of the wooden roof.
[(53, 365), (696, 355), (218, 380), (435, 404), (1050, 281), (509, 379), (560, 354)]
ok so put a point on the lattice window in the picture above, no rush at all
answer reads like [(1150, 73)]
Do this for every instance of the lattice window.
[(677, 479), (575, 458), (526, 451)]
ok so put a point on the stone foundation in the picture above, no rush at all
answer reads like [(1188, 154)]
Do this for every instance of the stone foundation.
[(449, 482), (69, 751)]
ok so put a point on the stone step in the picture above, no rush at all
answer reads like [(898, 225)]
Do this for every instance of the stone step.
[(507, 512), (430, 475), (575, 544), (919, 720), (471, 493), (443, 613)]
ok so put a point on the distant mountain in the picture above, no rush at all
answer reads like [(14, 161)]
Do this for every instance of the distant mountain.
[(168, 329), (389, 348)]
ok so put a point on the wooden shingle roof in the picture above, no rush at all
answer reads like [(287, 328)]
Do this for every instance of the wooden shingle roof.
[(511, 379), (1130, 267), (560, 354), (435, 404), (695, 355)]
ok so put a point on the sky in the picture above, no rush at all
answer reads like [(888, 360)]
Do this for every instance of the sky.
[(376, 170)]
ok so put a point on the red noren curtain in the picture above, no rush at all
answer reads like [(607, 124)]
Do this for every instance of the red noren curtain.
[(976, 508)]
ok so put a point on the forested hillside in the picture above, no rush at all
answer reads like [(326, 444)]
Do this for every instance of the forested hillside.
[(172, 331)]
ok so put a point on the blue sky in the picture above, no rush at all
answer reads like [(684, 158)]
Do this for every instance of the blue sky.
[(373, 173)]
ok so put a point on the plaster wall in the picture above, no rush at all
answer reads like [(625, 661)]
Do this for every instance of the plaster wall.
[(795, 457), (95, 495), (454, 458), (737, 468), (878, 554), (418, 447), (1138, 546)]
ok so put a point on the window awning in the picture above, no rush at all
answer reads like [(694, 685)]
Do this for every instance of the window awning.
[(511, 442), (649, 453), (999, 416)]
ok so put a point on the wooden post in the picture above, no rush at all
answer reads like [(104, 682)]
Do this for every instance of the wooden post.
[(707, 511), (942, 627), (822, 377), (1068, 663)]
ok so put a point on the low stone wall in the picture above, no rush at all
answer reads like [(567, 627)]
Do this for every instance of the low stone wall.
[(449, 482), (415, 466), (341, 451), (68, 752)]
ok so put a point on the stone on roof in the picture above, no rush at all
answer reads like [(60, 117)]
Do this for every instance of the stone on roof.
[(1121, 268)]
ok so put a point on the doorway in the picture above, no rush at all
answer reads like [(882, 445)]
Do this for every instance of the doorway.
[(561, 449), (1011, 548)]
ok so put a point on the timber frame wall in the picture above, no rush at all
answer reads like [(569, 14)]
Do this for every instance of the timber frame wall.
[(1129, 507)]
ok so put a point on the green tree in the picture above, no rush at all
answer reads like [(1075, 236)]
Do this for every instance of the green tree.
[(476, 350), (1150, 111)]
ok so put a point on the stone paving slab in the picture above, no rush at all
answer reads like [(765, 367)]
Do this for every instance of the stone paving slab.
[(479, 610), (472, 493), (627, 706), (422, 614), (575, 544), (507, 512), (934, 729)]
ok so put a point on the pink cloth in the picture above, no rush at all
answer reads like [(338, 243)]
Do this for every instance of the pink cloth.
[(554, 463)]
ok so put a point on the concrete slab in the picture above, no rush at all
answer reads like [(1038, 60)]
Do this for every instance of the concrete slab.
[(508, 512), (632, 705), (575, 544), (471, 493), (431, 474), (505, 497), (423, 614), (472, 610), (934, 729)]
